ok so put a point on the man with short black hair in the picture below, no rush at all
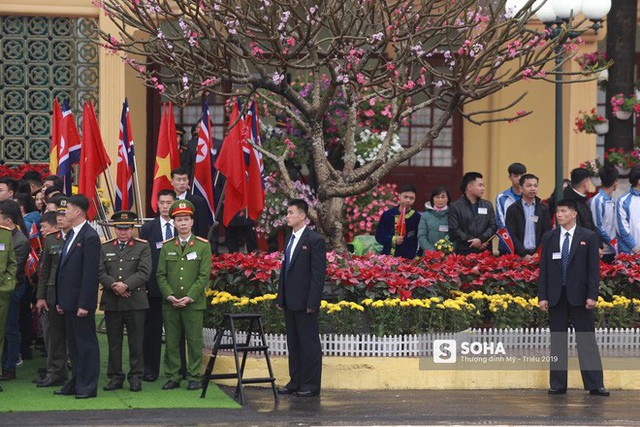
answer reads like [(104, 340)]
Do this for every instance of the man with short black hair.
[(528, 219), (10, 218), (628, 216), (300, 289), (471, 219), (7, 188), (603, 212), (53, 181), (202, 219), (34, 179), (155, 233), (508, 197), (577, 191), (77, 299), (53, 323), (568, 288), (397, 230)]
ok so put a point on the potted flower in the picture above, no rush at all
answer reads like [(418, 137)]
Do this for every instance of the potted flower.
[(591, 123), (593, 166), (594, 62), (624, 107), (622, 160)]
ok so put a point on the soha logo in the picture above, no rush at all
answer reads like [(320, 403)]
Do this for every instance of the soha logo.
[(446, 351)]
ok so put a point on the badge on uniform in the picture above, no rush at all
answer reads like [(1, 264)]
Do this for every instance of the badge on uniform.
[(305, 248), (482, 211), (172, 253), (2, 247), (443, 228), (583, 243), (191, 256), (556, 255), (113, 254), (158, 245)]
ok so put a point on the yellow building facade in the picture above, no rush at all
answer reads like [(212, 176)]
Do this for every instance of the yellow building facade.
[(489, 148)]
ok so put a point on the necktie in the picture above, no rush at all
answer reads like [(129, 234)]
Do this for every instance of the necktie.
[(565, 258), (67, 242), (183, 243), (122, 245), (287, 255), (168, 231)]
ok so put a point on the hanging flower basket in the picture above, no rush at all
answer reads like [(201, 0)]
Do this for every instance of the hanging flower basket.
[(603, 75), (623, 115), (596, 181), (623, 171), (601, 128)]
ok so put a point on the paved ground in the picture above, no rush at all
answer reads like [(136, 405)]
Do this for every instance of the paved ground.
[(341, 407)]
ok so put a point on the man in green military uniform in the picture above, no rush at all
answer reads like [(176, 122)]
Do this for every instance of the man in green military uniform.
[(8, 282), (55, 340), (184, 269), (125, 266)]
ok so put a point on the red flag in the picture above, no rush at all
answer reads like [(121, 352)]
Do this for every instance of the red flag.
[(167, 157), (93, 159), (504, 235), (401, 225), (614, 244), (255, 187), (231, 164), (55, 138), (203, 168), (31, 266)]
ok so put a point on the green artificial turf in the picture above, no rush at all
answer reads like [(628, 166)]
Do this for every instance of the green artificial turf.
[(21, 395)]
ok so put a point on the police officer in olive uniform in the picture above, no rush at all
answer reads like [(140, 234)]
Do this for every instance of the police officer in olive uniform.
[(8, 268), (53, 322), (125, 266), (184, 270)]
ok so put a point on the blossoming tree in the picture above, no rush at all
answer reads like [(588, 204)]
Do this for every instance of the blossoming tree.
[(415, 54)]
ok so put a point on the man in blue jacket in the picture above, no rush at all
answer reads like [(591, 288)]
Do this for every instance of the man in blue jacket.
[(406, 245)]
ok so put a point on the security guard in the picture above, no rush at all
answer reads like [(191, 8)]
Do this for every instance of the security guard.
[(8, 268), (184, 270), (55, 340), (125, 266)]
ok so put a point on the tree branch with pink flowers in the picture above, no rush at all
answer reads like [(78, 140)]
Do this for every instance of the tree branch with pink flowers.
[(414, 55)]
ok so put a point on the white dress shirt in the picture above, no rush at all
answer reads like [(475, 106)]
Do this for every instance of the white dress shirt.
[(563, 232), (163, 227), (76, 230), (297, 235)]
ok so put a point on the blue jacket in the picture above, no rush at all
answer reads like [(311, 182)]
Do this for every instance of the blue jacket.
[(386, 233)]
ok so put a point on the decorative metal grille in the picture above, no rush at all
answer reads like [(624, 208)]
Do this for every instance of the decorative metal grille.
[(42, 59)]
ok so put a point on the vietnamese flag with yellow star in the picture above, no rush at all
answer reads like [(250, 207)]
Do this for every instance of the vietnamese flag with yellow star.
[(167, 157)]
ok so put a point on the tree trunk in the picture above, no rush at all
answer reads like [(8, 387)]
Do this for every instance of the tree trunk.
[(621, 41), (330, 213)]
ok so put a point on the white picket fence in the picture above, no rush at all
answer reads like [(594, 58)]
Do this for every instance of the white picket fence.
[(524, 339)]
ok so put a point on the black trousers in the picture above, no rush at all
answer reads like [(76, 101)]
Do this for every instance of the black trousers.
[(305, 351), (152, 343), (116, 322), (84, 352), (588, 353), (237, 236)]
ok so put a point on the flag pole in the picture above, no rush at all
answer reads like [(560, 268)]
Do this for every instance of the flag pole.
[(217, 209), (97, 204), (136, 187)]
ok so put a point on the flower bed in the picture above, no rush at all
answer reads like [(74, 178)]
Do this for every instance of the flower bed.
[(356, 278), (393, 316)]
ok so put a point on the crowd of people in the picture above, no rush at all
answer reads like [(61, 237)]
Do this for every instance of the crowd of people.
[(518, 219)]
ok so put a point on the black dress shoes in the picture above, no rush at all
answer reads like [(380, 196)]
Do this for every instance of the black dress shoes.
[(150, 377), (194, 385), (135, 386), (86, 396), (284, 390), (50, 382), (599, 392), (63, 392), (307, 393), (112, 386), (557, 391), (171, 385)]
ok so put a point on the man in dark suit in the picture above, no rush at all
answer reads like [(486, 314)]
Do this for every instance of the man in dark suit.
[(202, 216), (527, 219), (568, 288), (156, 232), (299, 292), (77, 299)]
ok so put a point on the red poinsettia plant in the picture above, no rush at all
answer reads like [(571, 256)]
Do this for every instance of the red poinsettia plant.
[(17, 171)]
